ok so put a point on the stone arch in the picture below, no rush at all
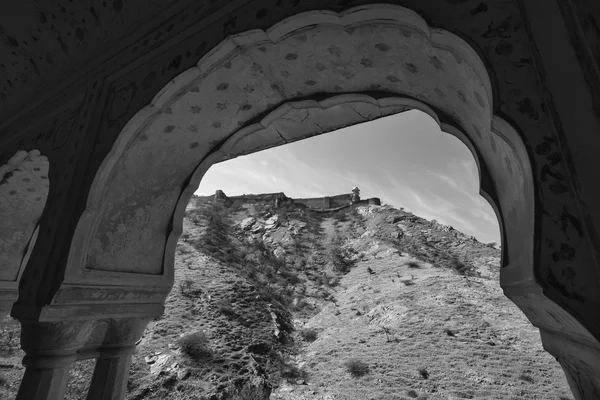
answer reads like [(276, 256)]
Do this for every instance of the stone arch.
[(386, 54), (363, 50), (297, 120), (24, 187)]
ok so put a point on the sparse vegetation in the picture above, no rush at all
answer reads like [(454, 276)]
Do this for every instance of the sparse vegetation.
[(356, 367), (412, 394), (309, 335), (292, 373), (226, 308), (9, 336), (337, 256), (343, 275), (249, 392), (526, 377), (188, 289), (195, 346), (449, 332)]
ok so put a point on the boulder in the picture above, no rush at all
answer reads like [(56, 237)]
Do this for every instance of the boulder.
[(396, 235), (247, 223), (396, 218), (162, 363), (279, 252), (272, 220)]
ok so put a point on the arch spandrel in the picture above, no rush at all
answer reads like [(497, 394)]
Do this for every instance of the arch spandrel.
[(24, 187), (359, 50)]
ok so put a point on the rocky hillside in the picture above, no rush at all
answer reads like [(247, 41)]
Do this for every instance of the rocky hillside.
[(368, 302)]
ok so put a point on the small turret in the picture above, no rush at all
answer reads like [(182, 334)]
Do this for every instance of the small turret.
[(355, 197)]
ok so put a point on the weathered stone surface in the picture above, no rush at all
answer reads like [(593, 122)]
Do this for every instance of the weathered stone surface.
[(77, 73), (247, 223), (244, 84), (24, 187)]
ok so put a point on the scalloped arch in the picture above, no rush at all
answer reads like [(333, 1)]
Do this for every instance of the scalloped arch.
[(201, 116)]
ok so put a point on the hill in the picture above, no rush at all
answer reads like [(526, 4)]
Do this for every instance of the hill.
[(367, 302)]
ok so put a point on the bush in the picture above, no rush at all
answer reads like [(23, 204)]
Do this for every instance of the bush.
[(309, 335), (249, 392), (462, 269), (412, 393), (195, 346), (526, 377), (226, 308), (291, 373), (9, 336), (356, 367), (336, 255), (186, 287)]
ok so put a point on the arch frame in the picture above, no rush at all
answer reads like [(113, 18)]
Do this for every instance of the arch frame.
[(378, 13), (84, 284)]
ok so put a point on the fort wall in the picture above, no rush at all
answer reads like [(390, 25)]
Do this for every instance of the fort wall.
[(325, 203)]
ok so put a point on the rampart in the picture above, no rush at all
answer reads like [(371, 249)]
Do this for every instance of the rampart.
[(325, 203)]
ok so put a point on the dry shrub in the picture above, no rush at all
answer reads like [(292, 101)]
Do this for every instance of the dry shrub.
[(309, 335), (356, 367), (195, 346)]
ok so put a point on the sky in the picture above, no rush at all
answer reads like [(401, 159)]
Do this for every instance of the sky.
[(404, 159)]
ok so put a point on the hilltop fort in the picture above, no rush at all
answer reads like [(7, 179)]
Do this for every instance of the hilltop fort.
[(319, 204)]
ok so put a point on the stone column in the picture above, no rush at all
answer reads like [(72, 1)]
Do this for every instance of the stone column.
[(51, 347), (45, 377), (118, 338), (111, 373)]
